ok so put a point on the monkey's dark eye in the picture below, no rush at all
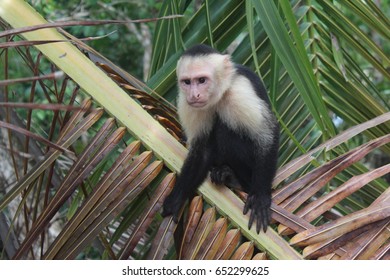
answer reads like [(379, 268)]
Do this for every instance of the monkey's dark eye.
[(187, 81), (202, 80)]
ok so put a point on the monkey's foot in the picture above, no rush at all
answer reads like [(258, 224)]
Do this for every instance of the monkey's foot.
[(224, 175), (259, 204), (172, 206)]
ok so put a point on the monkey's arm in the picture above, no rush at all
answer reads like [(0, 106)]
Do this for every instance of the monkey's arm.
[(193, 173)]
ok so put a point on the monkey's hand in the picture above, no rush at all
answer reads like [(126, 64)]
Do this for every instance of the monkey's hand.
[(259, 204), (172, 206)]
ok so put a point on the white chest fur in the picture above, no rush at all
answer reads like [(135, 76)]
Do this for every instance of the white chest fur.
[(242, 110)]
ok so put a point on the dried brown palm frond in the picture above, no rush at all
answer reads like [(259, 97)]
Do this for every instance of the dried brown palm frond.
[(93, 189)]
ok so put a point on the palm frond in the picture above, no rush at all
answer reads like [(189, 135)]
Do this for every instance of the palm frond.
[(91, 181)]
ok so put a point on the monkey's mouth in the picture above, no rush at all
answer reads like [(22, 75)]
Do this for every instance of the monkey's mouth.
[(197, 104)]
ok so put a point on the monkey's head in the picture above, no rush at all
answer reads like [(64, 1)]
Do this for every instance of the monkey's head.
[(204, 78)]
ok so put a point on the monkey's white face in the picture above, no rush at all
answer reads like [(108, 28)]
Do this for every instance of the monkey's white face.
[(195, 81), (198, 77)]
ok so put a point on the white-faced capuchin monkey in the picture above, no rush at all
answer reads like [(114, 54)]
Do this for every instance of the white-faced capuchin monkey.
[(231, 131)]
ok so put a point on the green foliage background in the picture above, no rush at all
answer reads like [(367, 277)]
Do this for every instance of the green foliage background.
[(325, 64)]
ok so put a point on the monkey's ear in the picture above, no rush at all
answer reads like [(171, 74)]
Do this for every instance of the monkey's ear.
[(227, 63), (227, 60)]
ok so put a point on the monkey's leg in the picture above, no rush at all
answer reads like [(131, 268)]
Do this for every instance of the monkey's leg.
[(193, 173)]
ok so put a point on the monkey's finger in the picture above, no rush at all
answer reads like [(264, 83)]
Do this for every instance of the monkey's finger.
[(265, 218), (252, 217), (258, 224), (215, 177), (265, 226), (263, 222), (175, 218), (248, 204), (246, 208), (165, 212)]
